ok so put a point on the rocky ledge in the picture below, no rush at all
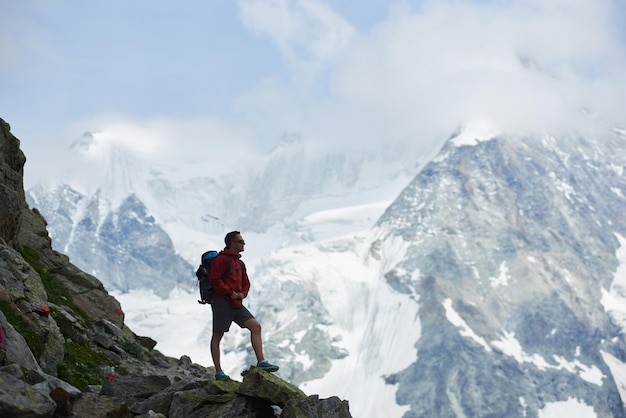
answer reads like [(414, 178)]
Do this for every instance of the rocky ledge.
[(66, 351)]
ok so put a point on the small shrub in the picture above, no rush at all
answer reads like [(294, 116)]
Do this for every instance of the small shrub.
[(132, 348), (82, 366)]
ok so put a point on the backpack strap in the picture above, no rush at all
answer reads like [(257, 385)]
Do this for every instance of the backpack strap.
[(241, 264), (227, 269)]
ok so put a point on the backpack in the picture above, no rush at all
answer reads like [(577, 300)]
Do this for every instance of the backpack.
[(206, 291)]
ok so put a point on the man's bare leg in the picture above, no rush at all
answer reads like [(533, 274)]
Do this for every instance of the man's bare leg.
[(255, 337), (215, 350)]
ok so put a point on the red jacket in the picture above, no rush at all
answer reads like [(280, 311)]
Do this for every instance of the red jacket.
[(236, 280)]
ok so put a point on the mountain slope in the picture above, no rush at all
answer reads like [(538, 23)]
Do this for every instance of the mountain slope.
[(491, 286), (511, 244), (67, 351), (139, 225), (125, 245)]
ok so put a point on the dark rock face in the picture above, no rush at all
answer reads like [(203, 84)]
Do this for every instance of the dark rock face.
[(11, 183), (67, 351)]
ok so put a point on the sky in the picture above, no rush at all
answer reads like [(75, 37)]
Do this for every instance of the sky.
[(177, 77)]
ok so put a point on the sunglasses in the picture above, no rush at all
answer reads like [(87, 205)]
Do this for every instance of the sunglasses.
[(240, 241)]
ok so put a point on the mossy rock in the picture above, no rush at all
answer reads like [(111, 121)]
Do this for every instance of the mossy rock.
[(222, 398), (223, 386), (269, 387)]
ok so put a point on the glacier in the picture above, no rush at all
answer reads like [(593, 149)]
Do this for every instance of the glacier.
[(484, 280)]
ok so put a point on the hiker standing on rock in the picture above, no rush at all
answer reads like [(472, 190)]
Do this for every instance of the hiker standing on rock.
[(229, 279)]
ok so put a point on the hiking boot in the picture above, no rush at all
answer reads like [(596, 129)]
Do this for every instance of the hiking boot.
[(221, 375), (266, 365)]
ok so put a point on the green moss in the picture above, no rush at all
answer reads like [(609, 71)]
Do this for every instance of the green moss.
[(121, 370), (32, 258), (82, 366), (132, 348), (56, 291), (21, 325)]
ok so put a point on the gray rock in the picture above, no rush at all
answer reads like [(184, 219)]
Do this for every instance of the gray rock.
[(16, 348), (133, 387), (159, 402), (95, 406), (269, 387), (184, 402), (14, 370), (312, 406), (19, 399), (62, 393)]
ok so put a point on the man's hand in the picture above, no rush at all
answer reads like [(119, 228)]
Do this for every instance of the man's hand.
[(236, 295)]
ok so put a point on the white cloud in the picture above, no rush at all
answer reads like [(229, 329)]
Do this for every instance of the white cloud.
[(305, 30), (424, 68), (523, 65), (184, 147)]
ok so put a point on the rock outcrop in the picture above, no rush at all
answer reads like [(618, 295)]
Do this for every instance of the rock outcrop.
[(67, 351)]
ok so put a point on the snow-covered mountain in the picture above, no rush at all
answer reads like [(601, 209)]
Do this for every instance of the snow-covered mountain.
[(123, 246), (138, 225), (491, 285), (512, 252)]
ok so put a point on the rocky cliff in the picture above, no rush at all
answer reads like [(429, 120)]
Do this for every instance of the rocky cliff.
[(512, 247), (67, 351)]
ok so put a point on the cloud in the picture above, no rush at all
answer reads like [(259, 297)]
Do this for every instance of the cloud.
[(413, 77), (525, 65), (185, 147), (306, 31)]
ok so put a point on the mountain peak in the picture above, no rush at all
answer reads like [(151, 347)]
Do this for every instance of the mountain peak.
[(474, 131)]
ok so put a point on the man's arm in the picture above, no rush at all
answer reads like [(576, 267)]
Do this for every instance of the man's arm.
[(216, 276)]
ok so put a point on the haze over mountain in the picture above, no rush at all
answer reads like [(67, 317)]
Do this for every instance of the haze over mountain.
[(484, 281), (426, 267)]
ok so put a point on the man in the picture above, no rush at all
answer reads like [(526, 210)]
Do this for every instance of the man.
[(230, 290)]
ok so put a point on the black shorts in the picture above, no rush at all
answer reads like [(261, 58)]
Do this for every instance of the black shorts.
[(224, 315)]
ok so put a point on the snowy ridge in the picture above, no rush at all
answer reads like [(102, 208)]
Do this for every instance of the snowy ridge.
[(470, 277), (495, 232), (475, 131)]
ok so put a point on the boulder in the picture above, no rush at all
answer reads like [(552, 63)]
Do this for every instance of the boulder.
[(19, 399), (313, 406), (184, 402), (93, 405), (62, 393), (16, 348), (269, 387), (134, 387)]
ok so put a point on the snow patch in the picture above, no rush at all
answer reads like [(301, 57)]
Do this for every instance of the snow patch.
[(572, 407), (365, 311), (503, 277), (510, 346), (475, 131), (618, 371), (614, 300), (465, 330)]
